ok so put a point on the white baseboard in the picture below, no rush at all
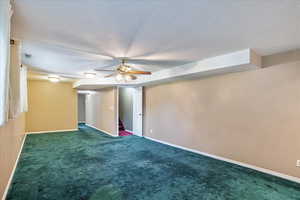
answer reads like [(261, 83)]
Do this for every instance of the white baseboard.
[(39, 132), (267, 171), (101, 130), (14, 169)]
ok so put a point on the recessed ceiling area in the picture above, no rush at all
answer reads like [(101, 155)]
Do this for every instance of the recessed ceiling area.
[(73, 37)]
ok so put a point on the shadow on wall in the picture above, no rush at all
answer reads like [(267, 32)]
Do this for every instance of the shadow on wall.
[(281, 58)]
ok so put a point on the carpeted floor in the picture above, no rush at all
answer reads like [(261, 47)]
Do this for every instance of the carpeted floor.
[(89, 165)]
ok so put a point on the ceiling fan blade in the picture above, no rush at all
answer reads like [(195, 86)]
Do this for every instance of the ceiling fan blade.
[(113, 64), (133, 77), (104, 70), (139, 72), (110, 75)]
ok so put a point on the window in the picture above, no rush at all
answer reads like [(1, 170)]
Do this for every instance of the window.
[(23, 89)]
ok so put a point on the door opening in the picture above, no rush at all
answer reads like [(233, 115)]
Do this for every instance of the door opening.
[(81, 108), (125, 111), (130, 111)]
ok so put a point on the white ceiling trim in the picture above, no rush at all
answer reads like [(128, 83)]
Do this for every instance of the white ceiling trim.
[(233, 62)]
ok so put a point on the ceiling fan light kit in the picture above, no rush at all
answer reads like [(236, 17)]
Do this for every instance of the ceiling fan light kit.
[(125, 78), (119, 78), (124, 73), (124, 68)]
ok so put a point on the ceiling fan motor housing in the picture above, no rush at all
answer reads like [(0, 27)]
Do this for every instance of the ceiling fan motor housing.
[(124, 68)]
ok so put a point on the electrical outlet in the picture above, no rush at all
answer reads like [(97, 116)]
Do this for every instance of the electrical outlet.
[(298, 163), (151, 130)]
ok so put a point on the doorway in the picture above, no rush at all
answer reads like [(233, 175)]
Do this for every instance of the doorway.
[(130, 111), (81, 108)]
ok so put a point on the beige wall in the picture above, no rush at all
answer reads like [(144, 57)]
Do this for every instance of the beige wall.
[(251, 117), (11, 138), (52, 106), (101, 110), (12, 133), (281, 58)]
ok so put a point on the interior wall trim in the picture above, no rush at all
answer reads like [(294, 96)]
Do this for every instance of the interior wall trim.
[(40, 132), (267, 171), (14, 169), (101, 130), (243, 60)]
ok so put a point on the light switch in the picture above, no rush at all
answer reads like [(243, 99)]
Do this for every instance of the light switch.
[(298, 163)]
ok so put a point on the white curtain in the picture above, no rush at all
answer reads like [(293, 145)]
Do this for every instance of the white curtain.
[(5, 15), (14, 82), (23, 89)]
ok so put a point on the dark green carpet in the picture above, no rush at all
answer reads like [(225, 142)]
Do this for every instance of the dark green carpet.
[(88, 164)]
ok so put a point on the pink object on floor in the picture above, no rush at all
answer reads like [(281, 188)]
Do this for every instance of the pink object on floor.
[(124, 133)]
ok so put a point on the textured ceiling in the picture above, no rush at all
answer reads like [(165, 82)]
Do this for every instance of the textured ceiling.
[(75, 36)]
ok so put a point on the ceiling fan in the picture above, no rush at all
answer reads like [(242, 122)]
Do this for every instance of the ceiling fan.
[(124, 72)]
